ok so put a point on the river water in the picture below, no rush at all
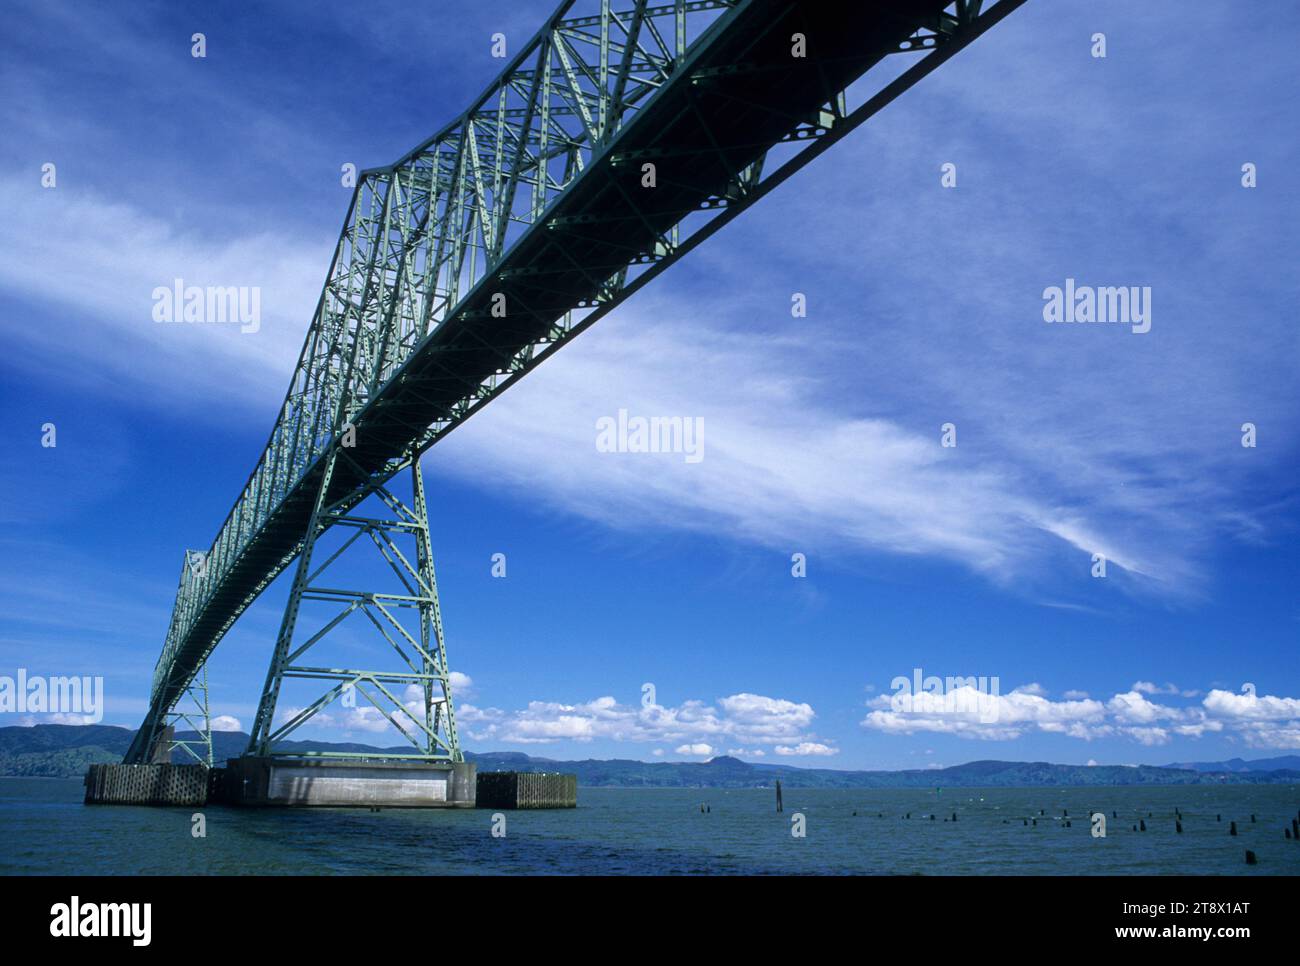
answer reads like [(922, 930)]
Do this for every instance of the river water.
[(45, 829)]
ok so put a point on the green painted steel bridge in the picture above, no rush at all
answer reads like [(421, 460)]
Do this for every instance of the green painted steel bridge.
[(622, 135)]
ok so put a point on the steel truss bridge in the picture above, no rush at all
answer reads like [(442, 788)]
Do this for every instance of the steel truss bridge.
[(621, 136)]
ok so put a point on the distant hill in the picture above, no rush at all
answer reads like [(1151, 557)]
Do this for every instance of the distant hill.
[(1283, 763), (66, 750)]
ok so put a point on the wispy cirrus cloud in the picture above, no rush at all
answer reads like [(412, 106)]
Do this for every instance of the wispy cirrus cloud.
[(119, 254), (821, 433)]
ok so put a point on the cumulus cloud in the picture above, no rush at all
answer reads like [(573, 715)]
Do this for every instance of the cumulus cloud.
[(971, 713), (1262, 721), (747, 719), (61, 717), (462, 685), (226, 722), (699, 748), (807, 748)]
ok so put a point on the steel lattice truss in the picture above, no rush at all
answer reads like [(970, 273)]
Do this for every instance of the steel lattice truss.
[(467, 262)]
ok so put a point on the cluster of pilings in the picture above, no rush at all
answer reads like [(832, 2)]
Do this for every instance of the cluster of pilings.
[(1291, 834), (147, 785), (510, 789)]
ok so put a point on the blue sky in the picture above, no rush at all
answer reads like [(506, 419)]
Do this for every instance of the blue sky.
[(822, 434)]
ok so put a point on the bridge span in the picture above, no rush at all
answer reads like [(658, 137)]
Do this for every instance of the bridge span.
[(621, 136)]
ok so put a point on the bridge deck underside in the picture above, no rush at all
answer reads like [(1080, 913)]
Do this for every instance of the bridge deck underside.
[(741, 93)]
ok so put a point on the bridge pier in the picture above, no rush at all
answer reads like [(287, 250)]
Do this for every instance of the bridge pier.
[(268, 780)]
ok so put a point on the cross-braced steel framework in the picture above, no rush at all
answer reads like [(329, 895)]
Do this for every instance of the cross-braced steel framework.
[(190, 722), (624, 134), (423, 655)]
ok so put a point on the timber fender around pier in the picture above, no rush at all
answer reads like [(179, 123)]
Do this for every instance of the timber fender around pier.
[(512, 789), (147, 785)]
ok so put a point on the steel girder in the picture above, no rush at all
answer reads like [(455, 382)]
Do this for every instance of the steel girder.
[(532, 202)]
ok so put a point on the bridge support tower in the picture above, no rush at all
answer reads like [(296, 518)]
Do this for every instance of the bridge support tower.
[(413, 691)]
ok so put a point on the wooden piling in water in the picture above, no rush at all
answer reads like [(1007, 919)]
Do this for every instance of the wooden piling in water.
[(1250, 857)]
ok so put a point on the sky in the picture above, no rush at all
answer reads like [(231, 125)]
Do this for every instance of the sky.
[(823, 433)]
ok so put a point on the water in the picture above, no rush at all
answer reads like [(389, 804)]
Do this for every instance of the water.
[(45, 829)]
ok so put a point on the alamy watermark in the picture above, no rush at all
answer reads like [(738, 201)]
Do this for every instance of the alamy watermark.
[(1114, 304), (34, 694), (215, 304), (651, 434), (75, 919), (970, 696)]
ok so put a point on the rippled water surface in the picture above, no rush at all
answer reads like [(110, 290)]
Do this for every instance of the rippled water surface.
[(45, 829)]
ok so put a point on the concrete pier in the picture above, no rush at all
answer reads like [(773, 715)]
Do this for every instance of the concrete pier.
[(512, 789), (348, 784)]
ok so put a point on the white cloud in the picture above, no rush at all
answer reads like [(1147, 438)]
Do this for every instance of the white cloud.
[(1251, 706), (1263, 721), (106, 317), (226, 722), (782, 465), (1146, 687), (749, 720), (696, 749), (969, 713), (1132, 708), (61, 717), (807, 748)]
